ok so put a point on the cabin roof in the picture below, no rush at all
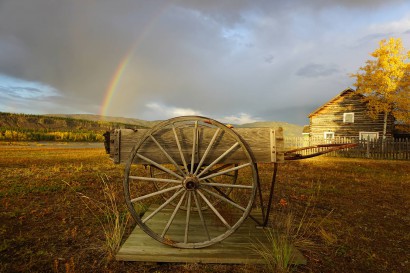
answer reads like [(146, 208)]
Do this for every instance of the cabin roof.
[(343, 93)]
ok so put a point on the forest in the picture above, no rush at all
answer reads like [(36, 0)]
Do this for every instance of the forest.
[(45, 135), (26, 127)]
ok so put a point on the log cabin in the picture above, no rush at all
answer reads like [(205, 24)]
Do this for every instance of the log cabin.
[(346, 116)]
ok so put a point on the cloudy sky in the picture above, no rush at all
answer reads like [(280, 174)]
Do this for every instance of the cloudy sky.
[(235, 61)]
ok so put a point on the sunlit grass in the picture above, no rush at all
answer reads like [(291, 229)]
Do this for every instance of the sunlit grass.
[(45, 226), (110, 214), (288, 232)]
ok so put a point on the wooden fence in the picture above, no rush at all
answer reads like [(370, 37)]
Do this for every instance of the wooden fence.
[(379, 149)]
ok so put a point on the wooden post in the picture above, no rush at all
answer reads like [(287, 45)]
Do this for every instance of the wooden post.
[(368, 147), (277, 145), (117, 146)]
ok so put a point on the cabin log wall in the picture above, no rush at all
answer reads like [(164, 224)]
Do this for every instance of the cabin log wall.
[(329, 118)]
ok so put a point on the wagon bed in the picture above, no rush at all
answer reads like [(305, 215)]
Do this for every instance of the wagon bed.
[(267, 144)]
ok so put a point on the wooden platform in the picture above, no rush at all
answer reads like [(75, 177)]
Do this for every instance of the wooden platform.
[(236, 249)]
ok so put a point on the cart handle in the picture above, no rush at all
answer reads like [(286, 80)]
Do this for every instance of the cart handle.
[(293, 155)]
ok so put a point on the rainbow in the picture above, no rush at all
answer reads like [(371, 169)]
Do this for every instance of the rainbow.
[(112, 86), (119, 72)]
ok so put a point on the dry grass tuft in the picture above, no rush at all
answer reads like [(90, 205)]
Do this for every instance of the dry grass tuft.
[(288, 233), (113, 220)]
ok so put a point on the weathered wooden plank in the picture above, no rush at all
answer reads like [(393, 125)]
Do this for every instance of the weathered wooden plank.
[(116, 146), (236, 249), (330, 117), (259, 141)]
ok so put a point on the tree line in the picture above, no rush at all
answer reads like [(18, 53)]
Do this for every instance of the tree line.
[(38, 122), (7, 134)]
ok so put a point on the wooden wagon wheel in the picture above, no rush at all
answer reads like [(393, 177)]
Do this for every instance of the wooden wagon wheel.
[(197, 151)]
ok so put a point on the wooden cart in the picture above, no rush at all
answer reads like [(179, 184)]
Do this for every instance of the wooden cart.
[(186, 166)]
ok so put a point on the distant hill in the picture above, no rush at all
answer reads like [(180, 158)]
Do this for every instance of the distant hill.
[(57, 123), (289, 130), (117, 120), (98, 124)]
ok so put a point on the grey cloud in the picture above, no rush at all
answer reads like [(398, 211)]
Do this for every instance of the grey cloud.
[(373, 37), (72, 46), (25, 89), (313, 70), (180, 57), (360, 3), (291, 114), (232, 12), (25, 92), (269, 58)]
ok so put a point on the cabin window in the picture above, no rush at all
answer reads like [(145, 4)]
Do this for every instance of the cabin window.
[(329, 135), (348, 117), (368, 135)]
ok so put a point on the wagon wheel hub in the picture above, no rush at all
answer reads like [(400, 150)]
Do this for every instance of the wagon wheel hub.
[(191, 183)]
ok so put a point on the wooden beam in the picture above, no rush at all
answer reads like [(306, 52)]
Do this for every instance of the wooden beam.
[(258, 141)]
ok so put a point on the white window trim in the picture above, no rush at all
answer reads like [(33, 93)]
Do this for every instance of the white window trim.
[(344, 117), (361, 133), (329, 133)]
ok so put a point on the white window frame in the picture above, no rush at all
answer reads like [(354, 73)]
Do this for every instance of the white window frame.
[(329, 133), (362, 133), (347, 114)]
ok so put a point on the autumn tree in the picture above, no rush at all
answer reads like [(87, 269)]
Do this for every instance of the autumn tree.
[(384, 83)]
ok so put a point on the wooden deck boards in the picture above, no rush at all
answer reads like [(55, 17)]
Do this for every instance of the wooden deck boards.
[(236, 249)]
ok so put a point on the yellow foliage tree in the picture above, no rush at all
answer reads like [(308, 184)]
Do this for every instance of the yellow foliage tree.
[(385, 82)]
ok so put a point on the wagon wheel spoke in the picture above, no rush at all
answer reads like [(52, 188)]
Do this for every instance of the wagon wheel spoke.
[(154, 175), (160, 174), (227, 185), (153, 179), (226, 190), (225, 171), (162, 206), (224, 194), (198, 206), (159, 166), (167, 155), (173, 215), (220, 168), (207, 150), (214, 209), (180, 149), (230, 175), (224, 199), (194, 146), (219, 159), (216, 170), (155, 193), (188, 215), (233, 176)]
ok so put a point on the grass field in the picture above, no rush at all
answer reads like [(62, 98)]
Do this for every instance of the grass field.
[(355, 213)]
